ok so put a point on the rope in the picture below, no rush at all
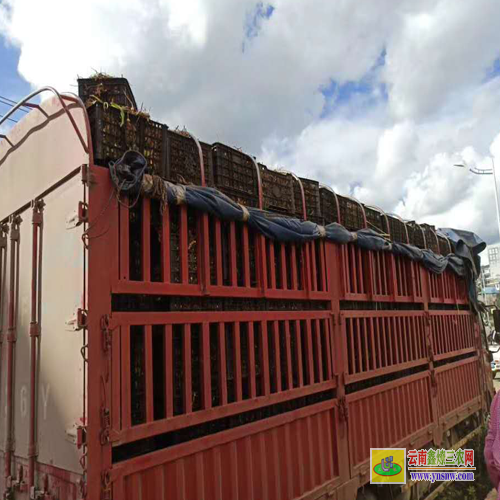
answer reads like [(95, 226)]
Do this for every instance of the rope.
[(246, 214)]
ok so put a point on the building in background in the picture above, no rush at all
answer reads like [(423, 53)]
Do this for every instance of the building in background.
[(494, 258), (489, 295)]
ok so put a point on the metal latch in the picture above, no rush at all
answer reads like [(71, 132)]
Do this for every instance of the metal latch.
[(78, 321), (78, 217), (81, 436), (87, 177), (105, 425)]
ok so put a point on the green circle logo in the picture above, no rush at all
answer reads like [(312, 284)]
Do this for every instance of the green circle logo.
[(394, 471)]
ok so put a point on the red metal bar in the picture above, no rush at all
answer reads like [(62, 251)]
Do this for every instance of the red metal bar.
[(203, 256), (218, 253), (293, 253), (124, 217), (188, 386), (183, 243), (148, 343), (11, 340), (310, 360), (145, 430), (328, 334), (222, 364), (264, 365), (271, 265), (319, 349), (165, 242), (323, 261), (146, 239), (373, 350), (169, 382), (313, 271), (298, 346), (283, 269), (37, 222), (237, 360), (246, 256), (126, 387), (233, 272), (277, 354), (251, 360), (4, 228), (288, 355), (207, 383)]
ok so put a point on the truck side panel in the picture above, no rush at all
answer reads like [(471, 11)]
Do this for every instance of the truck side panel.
[(41, 160), (238, 367)]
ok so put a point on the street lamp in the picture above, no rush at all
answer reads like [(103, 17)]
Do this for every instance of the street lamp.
[(486, 171)]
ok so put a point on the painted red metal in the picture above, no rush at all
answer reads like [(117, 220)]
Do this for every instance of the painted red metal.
[(225, 365), (37, 221), (225, 361), (11, 340)]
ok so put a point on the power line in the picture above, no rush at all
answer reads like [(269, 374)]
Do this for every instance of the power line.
[(11, 119), (11, 103)]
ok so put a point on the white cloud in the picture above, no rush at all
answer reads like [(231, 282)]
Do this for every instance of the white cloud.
[(391, 144)]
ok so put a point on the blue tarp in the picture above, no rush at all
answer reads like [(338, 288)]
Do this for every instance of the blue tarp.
[(128, 175)]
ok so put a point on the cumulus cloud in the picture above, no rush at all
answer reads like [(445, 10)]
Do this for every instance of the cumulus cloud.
[(376, 99)]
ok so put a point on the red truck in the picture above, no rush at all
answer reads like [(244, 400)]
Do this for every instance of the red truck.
[(263, 370)]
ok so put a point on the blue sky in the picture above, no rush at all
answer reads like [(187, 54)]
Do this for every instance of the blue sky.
[(375, 100), (12, 85)]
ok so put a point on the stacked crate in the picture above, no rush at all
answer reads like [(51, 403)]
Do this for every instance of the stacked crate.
[(182, 162), (416, 235), (103, 88), (235, 175), (376, 220), (173, 154), (330, 210), (431, 239), (115, 131), (311, 198), (277, 190), (351, 213), (445, 247), (398, 229)]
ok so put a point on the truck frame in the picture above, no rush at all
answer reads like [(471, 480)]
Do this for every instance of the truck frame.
[(153, 352)]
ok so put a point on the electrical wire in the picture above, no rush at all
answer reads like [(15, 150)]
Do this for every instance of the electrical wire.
[(11, 119), (12, 103)]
